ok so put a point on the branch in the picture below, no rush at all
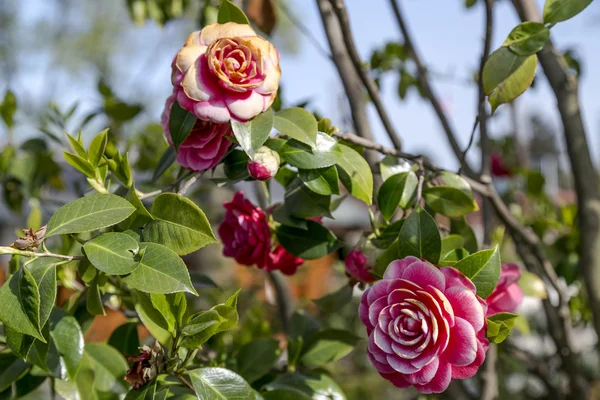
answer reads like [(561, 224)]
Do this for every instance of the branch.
[(187, 185), (339, 8), (490, 379), (185, 382), (285, 302), (167, 189), (428, 89)]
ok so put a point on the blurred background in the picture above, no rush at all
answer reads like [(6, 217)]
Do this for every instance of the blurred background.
[(84, 65)]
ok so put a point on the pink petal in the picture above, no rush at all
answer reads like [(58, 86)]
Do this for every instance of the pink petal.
[(466, 305), (440, 381), (382, 368), (425, 375), (380, 289), (424, 274), (396, 268), (456, 278), (375, 309), (397, 380), (471, 369), (213, 110), (246, 107), (400, 364), (462, 348)]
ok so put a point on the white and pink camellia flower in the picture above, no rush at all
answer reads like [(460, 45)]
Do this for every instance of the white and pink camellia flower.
[(426, 325), (206, 144), (264, 164), (225, 72)]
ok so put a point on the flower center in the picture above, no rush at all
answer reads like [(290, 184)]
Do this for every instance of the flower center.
[(236, 62)]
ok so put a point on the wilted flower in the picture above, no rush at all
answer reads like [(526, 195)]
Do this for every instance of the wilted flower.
[(226, 71), (205, 146), (264, 164), (357, 267), (426, 325), (507, 296), (146, 366), (31, 241)]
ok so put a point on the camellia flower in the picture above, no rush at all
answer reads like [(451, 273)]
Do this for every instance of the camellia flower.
[(356, 266), (264, 164), (507, 296), (206, 145), (280, 259), (226, 71), (498, 166), (426, 325)]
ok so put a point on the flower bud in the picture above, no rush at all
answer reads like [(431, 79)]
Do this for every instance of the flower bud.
[(264, 165)]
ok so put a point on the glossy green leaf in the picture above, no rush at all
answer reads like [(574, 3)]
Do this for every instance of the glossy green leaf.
[(302, 325), (93, 301), (499, 326), (450, 201), (396, 191), (327, 346), (113, 253), (11, 369), (166, 160), (336, 300), (461, 227), (253, 134), (323, 181), (311, 243), (20, 300), (420, 237), (201, 327), (89, 213), (160, 271), (126, 339), (391, 166), (562, 10), (152, 319), (256, 358), (314, 386), (179, 224), (68, 339), (97, 147), (80, 164), (140, 217), (507, 75), (181, 123), (327, 152), (229, 12), (388, 234), (235, 165), (220, 383), (43, 271), (527, 38), (77, 145), (28, 348), (285, 176), (301, 202), (358, 178), (108, 365), (452, 242), (483, 268), (298, 124)]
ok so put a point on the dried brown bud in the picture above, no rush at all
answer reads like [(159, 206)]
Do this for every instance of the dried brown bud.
[(146, 366)]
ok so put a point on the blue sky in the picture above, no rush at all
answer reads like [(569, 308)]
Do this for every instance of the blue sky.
[(448, 36)]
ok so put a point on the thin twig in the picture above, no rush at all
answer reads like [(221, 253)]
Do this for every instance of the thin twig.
[(168, 188), (490, 378), (284, 299), (51, 255), (190, 182), (463, 158), (185, 382), (339, 8), (421, 180)]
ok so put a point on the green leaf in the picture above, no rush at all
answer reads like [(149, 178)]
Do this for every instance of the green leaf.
[(281, 215), (97, 147), (108, 365), (80, 164), (298, 124), (327, 152), (311, 243), (391, 166), (527, 38), (314, 386), (358, 178), (396, 191), (285, 176), (323, 181), (89, 213), (336, 300), (235, 165), (160, 271), (229, 12), (201, 281), (125, 339), (327, 346), (388, 234), (507, 75), (20, 301), (253, 134), (113, 253), (483, 268), (43, 271), (68, 339), (179, 224), (178, 306), (166, 160), (301, 202), (155, 390), (451, 197), (302, 325), (77, 145), (140, 217), (562, 10), (420, 237), (152, 319), (461, 227), (256, 358), (160, 304), (499, 326), (201, 327), (452, 242), (181, 123), (11, 369), (532, 285), (8, 108), (93, 302), (220, 383)]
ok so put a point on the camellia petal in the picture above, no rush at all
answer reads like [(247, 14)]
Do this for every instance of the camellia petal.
[(215, 31)]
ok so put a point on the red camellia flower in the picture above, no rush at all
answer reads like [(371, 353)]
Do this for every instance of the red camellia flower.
[(507, 296), (245, 232), (426, 325), (356, 266), (280, 259), (498, 166), (205, 146)]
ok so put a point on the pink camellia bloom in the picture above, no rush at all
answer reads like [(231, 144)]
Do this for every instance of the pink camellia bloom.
[(426, 325), (206, 145), (507, 296), (245, 232), (264, 164), (226, 71), (281, 260), (356, 266)]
